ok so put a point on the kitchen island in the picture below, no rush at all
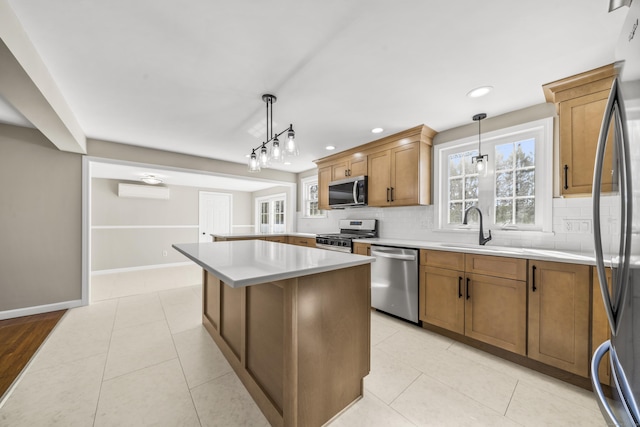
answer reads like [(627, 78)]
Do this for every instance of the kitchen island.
[(293, 322)]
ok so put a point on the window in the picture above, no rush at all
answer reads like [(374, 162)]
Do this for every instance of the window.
[(270, 211), (310, 198), (515, 192)]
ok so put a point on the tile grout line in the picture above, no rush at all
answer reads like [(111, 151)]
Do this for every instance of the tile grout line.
[(106, 360)]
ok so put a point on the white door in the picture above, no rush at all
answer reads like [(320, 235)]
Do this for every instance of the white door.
[(215, 214)]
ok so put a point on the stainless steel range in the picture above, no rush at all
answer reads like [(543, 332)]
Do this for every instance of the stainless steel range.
[(350, 229)]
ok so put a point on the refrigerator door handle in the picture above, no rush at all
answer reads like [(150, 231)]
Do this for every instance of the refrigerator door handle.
[(614, 304), (605, 408)]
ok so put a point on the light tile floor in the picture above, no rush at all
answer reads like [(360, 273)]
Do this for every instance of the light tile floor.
[(146, 360)]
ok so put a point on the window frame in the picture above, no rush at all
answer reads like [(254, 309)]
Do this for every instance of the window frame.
[(542, 131), (305, 184)]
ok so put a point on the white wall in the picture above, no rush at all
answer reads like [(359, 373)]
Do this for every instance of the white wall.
[(133, 232)]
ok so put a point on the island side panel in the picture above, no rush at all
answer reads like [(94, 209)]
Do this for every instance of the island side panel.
[(232, 318), (210, 301), (333, 340), (265, 339)]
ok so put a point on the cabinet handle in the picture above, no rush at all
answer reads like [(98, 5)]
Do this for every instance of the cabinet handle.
[(392, 194), (468, 296), (566, 177), (459, 286), (533, 278), (346, 172), (388, 189)]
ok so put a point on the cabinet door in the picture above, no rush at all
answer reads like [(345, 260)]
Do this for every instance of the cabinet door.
[(559, 315), (404, 175), (379, 179), (600, 325), (358, 166), (496, 311), (580, 121), (339, 170), (442, 298), (362, 248), (324, 178)]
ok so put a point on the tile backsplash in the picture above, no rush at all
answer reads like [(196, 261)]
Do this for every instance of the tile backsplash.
[(572, 225)]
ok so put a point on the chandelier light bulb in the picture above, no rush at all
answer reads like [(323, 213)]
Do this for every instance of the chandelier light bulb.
[(254, 166), (480, 165), (276, 152)]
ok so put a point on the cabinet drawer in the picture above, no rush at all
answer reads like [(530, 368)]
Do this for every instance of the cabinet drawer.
[(496, 266), (279, 239), (442, 259), (302, 241)]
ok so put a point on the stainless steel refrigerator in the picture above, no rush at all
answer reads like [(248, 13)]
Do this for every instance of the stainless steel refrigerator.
[(616, 216)]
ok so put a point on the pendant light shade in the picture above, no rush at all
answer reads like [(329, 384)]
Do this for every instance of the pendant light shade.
[(254, 165), (481, 159)]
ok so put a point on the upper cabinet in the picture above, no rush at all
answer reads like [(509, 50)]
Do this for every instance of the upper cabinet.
[(355, 165), (580, 102), (398, 167)]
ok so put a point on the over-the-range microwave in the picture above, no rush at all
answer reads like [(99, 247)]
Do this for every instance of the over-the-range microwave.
[(347, 192)]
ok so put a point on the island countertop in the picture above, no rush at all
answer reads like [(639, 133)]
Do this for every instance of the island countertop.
[(250, 262)]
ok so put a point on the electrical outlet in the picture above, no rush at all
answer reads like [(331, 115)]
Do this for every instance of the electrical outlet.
[(164, 253), (576, 225)]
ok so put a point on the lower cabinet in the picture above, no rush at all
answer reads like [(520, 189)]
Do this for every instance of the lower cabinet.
[(362, 249), (302, 241), (559, 304), (600, 331), (489, 308)]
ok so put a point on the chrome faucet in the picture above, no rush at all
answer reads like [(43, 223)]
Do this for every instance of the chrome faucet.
[(482, 240)]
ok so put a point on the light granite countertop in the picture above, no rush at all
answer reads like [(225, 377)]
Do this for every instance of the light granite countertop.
[(256, 235), (250, 262)]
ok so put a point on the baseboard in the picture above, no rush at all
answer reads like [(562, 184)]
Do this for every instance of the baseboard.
[(38, 309), (139, 268)]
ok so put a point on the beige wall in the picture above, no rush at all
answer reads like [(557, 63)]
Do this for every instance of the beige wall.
[(117, 247), (40, 221)]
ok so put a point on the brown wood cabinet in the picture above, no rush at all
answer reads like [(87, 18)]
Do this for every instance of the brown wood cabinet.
[(559, 315), (600, 331), (496, 301), (398, 169), (394, 179), (279, 239), (482, 297), (355, 165), (324, 178), (580, 101), (302, 241), (362, 248)]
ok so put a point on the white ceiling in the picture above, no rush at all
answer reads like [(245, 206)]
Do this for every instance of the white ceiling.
[(188, 76)]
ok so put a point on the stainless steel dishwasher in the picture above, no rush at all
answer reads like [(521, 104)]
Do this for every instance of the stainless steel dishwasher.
[(394, 281)]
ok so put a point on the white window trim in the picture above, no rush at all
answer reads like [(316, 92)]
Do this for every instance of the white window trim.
[(270, 198), (543, 129), (304, 182)]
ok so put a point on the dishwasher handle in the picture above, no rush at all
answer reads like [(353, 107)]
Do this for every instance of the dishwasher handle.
[(403, 257)]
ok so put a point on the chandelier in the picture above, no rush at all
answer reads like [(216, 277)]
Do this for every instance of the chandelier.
[(261, 157)]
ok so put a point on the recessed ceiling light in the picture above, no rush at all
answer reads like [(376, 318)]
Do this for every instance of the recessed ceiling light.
[(479, 91), (377, 130), (330, 147), (287, 163)]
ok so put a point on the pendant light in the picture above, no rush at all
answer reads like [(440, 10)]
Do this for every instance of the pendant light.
[(481, 159), (276, 153)]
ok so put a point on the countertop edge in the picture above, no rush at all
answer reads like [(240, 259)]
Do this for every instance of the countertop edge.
[(551, 255), (360, 260)]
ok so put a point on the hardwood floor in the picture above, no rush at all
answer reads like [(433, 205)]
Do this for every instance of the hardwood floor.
[(20, 338)]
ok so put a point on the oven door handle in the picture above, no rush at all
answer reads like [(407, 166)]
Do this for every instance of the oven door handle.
[(394, 256)]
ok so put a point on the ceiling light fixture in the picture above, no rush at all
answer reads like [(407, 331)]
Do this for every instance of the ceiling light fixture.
[(330, 147), (479, 91), (377, 130), (151, 179), (480, 160), (260, 157)]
